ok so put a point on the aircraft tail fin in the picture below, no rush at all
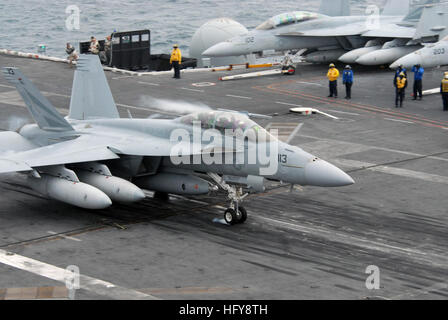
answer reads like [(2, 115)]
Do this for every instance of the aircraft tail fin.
[(433, 22), (335, 7), (43, 112), (396, 8), (415, 13), (91, 95)]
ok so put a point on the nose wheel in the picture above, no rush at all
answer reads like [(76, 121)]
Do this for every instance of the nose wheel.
[(232, 216), (235, 214)]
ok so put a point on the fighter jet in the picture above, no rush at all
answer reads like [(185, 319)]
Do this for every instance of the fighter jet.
[(93, 157), (331, 36), (434, 21)]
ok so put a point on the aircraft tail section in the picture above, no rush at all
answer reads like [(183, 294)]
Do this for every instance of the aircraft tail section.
[(433, 22), (335, 7), (91, 95), (396, 8), (416, 11), (43, 112)]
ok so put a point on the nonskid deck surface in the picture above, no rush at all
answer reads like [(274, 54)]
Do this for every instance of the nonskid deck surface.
[(311, 243)]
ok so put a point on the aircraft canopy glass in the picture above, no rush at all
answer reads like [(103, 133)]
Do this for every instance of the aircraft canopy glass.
[(288, 18), (221, 120)]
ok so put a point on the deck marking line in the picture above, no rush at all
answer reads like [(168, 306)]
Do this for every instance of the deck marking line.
[(49, 271)]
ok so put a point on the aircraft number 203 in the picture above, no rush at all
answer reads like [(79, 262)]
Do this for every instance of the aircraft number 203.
[(439, 51)]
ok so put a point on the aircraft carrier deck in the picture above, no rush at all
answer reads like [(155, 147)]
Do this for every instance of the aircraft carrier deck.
[(312, 243)]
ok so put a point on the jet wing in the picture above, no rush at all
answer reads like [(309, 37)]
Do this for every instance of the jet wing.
[(82, 149), (347, 30), (88, 148), (391, 31), (158, 147)]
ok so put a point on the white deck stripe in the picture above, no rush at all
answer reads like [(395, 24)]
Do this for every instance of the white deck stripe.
[(64, 236), (49, 271), (239, 97), (343, 112), (149, 83), (195, 90), (288, 104), (397, 120)]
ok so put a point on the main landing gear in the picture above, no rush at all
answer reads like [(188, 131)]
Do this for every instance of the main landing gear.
[(235, 214)]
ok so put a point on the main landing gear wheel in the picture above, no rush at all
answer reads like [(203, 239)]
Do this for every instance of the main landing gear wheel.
[(233, 217), (230, 217)]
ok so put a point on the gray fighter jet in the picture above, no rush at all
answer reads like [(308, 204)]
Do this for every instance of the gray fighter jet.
[(94, 157), (434, 22), (333, 36)]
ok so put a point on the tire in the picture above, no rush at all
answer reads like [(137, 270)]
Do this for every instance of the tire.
[(230, 217), (242, 215)]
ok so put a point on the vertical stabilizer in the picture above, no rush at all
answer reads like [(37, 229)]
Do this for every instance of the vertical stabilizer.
[(91, 96), (396, 8), (433, 22), (335, 7), (42, 111)]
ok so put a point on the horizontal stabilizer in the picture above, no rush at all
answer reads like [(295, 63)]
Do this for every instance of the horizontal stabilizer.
[(91, 95), (42, 111)]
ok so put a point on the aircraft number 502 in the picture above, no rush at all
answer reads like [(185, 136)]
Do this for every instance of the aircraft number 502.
[(439, 51)]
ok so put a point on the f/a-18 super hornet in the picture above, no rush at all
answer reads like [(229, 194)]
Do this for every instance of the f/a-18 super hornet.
[(370, 39), (93, 157), (434, 21)]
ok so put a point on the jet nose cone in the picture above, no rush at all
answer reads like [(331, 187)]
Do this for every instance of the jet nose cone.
[(323, 174), (222, 49)]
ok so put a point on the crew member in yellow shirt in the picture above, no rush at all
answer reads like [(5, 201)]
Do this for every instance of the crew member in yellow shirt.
[(333, 75), (176, 60), (400, 83), (444, 92)]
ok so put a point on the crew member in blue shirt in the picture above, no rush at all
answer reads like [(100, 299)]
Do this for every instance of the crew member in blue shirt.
[(418, 81), (347, 79)]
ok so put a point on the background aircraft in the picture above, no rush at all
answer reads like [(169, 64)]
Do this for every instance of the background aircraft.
[(94, 157), (434, 21), (367, 39)]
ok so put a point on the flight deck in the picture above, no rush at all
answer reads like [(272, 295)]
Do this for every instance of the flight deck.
[(300, 243)]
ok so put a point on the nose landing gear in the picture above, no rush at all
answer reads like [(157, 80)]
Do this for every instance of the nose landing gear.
[(235, 214)]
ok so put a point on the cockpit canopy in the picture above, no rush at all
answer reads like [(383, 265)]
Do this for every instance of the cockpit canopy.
[(231, 121), (288, 18)]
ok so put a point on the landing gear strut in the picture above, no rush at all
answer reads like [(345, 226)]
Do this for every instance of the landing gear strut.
[(235, 214)]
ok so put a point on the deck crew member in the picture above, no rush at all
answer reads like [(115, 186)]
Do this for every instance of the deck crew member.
[(418, 81), (399, 70), (347, 79), (333, 75), (72, 55), (94, 45), (444, 92), (400, 84), (176, 60)]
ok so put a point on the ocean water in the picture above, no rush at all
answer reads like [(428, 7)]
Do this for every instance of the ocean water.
[(25, 24)]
